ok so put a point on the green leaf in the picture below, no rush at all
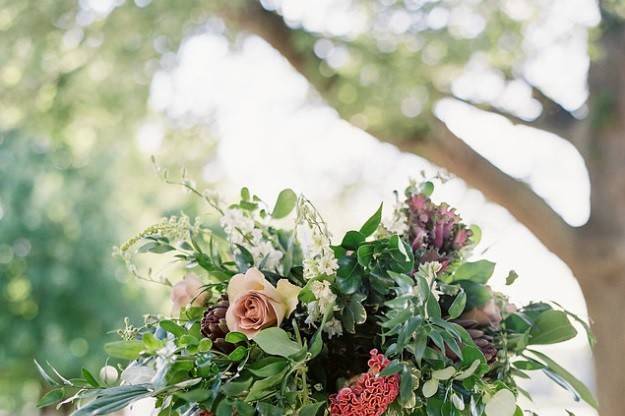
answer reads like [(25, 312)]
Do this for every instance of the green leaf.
[(172, 328), (579, 387), (238, 354), (310, 409), (237, 386), (266, 409), (352, 240), (245, 194), (372, 223), (512, 276), (275, 341), (264, 387), (126, 350), (478, 271), (457, 307), (406, 386), (393, 367), (476, 234), (444, 374), (205, 345), (45, 375), (528, 365), (267, 367), (503, 403), (89, 377), (235, 337), (151, 342), (348, 285), (427, 188), (365, 254), (433, 308), (469, 371), (51, 397), (195, 395), (284, 204), (113, 399), (430, 388), (551, 327), (477, 294)]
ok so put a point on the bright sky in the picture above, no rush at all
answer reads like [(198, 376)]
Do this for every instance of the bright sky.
[(271, 136)]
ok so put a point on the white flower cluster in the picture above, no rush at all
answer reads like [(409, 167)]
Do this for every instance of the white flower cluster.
[(319, 258), (242, 230), (316, 309)]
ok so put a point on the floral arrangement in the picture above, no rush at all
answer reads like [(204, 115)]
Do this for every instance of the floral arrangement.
[(395, 318)]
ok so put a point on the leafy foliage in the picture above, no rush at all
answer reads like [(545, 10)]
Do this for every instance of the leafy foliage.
[(374, 295), (60, 296)]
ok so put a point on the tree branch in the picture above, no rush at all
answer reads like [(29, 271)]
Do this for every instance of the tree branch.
[(553, 118), (442, 147), (445, 149)]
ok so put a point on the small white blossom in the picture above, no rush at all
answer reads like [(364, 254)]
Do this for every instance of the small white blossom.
[(314, 313), (242, 230), (328, 264), (319, 244), (323, 293), (325, 299), (333, 328), (264, 251), (234, 221)]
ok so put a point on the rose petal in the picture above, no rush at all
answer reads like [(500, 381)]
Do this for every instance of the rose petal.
[(288, 293)]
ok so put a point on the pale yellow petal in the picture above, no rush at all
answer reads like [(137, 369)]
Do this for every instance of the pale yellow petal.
[(279, 309), (288, 294), (231, 321), (237, 286)]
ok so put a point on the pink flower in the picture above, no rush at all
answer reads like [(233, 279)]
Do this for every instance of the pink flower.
[(188, 291), (370, 395), (256, 304)]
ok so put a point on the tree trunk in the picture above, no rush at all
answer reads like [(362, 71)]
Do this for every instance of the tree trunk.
[(601, 243), (605, 298)]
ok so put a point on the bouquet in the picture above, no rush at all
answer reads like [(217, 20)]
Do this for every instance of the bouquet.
[(394, 318)]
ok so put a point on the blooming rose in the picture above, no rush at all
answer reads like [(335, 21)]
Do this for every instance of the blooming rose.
[(187, 291), (256, 304)]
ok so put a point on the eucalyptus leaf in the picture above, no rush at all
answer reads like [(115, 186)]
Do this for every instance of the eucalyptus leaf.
[(503, 403), (430, 388)]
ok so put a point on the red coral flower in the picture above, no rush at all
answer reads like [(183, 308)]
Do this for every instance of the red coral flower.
[(370, 395)]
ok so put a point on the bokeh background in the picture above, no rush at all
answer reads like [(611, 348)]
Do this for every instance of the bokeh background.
[(343, 100)]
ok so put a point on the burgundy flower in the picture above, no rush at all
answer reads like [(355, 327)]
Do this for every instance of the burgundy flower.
[(370, 395), (436, 232)]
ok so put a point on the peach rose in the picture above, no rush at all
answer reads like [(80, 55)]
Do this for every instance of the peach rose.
[(187, 291), (256, 304)]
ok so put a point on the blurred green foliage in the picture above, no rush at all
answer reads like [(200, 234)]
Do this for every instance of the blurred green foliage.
[(61, 290), (75, 80)]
